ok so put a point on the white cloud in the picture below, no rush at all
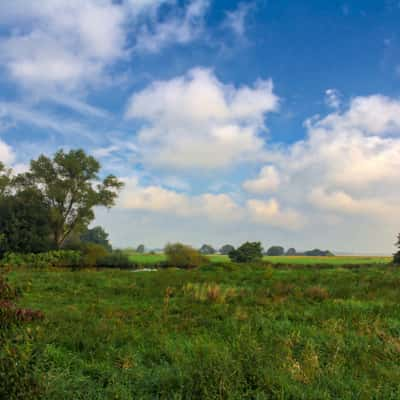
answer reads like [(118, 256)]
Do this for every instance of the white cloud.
[(63, 43), (332, 98), (236, 20), (69, 45), (7, 154), (160, 200), (183, 26), (268, 180), (195, 121), (270, 213), (342, 203)]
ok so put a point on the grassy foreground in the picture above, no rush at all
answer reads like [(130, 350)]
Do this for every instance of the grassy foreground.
[(220, 332), (146, 259)]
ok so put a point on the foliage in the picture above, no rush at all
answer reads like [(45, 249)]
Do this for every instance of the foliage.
[(96, 235), (24, 223), (247, 252), (141, 249), (182, 256), (5, 179), (291, 252), (226, 249), (318, 253), (116, 259), (276, 251), (173, 334), (57, 258), (207, 249), (18, 351), (71, 187), (92, 253)]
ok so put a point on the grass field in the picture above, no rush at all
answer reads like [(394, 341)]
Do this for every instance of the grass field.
[(220, 332), (302, 260)]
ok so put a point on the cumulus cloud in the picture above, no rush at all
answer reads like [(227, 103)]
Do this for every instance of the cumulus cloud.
[(271, 213), (160, 200), (268, 180), (342, 203), (195, 121), (348, 163)]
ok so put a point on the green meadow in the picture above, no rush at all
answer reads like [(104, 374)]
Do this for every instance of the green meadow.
[(222, 331)]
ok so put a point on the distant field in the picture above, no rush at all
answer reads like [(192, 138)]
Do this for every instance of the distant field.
[(298, 260)]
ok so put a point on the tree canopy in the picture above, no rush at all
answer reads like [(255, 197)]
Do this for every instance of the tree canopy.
[(207, 249), (96, 235), (276, 251), (71, 187), (226, 249), (247, 252)]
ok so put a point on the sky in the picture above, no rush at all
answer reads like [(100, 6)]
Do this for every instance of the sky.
[(228, 121)]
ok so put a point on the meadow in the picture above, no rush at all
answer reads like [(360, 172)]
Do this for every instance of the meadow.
[(222, 331)]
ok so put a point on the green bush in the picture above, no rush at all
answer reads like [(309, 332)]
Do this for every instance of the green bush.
[(116, 259), (247, 252), (58, 258), (18, 350), (92, 253), (182, 256)]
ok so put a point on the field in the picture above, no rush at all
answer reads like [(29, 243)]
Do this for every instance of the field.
[(219, 332), (146, 259)]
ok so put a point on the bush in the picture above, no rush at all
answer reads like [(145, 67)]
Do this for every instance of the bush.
[(182, 256), (116, 259), (18, 353), (247, 252), (92, 253), (58, 258)]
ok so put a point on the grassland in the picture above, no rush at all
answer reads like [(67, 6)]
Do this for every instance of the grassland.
[(147, 259), (219, 332)]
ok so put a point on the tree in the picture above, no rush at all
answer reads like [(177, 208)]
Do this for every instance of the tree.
[(140, 249), (96, 235), (396, 258), (71, 187), (291, 252), (318, 253), (226, 249), (247, 252), (182, 256), (207, 249), (5, 179), (24, 223), (276, 251)]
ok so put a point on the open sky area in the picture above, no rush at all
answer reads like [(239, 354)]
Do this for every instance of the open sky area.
[(228, 120)]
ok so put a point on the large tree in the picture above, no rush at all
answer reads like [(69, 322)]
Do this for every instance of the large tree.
[(70, 184), (207, 249), (247, 252), (5, 179)]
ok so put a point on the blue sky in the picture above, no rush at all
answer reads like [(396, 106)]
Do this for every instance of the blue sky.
[(229, 121)]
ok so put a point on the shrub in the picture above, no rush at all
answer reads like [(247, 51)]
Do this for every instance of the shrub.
[(182, 256), (247, 252), (18, 353), (116, 259), (58, 258), (92, 253)]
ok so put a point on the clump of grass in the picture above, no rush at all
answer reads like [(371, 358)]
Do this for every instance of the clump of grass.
[(316, 293), (212, 292)]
